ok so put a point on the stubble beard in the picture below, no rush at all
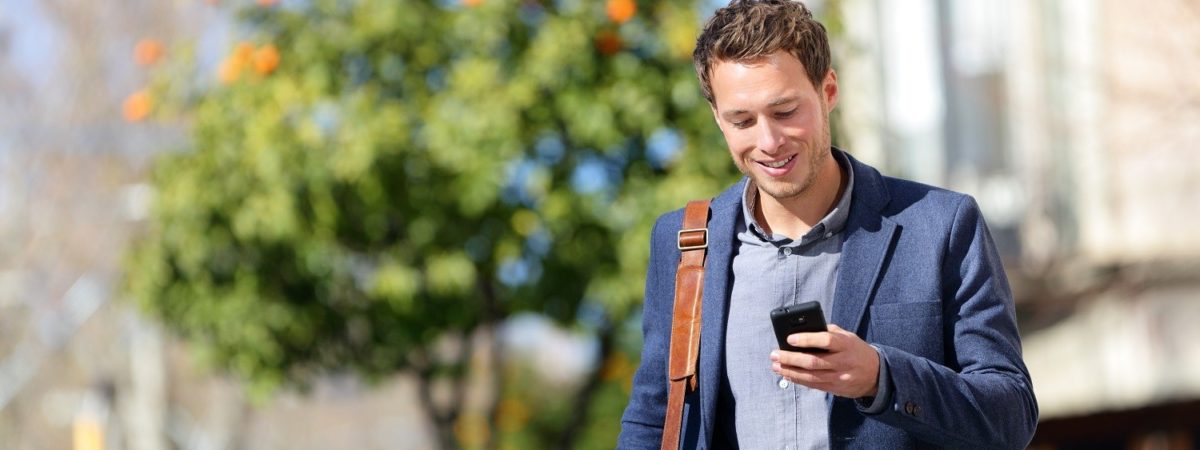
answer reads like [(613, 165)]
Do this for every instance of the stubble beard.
[(782, 190)]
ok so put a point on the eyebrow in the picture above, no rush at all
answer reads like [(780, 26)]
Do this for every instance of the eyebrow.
[(775, 102)]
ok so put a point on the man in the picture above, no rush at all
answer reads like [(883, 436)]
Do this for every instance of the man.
[(923, 349)]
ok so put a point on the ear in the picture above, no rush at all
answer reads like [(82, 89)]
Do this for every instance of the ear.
[(829, 89)]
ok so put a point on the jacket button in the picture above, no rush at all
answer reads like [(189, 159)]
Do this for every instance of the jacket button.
[(911, 408)]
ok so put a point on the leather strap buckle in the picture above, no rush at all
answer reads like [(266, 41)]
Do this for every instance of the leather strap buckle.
[(693, 242)]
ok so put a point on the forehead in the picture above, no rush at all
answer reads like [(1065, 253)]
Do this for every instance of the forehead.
[(745, 84)]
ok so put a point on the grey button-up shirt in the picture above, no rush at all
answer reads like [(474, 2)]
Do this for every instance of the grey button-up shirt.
[(770, 271)]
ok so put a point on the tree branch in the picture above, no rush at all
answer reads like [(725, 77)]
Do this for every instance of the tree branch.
[(491, 319), (583, 398), (462, 367), (443, 425)]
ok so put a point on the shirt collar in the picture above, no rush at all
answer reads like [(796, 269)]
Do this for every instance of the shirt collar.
[(831, 224)]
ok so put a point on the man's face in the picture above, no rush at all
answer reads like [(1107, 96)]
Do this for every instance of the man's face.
[(775, 122)]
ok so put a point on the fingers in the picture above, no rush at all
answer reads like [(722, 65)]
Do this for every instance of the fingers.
[(824, 380), (807, 361), (813, 340), (834, 381), (818, 372), (835, 339), (850, 368)]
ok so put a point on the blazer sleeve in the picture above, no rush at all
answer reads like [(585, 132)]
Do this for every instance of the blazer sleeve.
[(987, 400), (642, 423)]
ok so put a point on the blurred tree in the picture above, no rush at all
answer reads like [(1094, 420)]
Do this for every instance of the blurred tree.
[(369, 178)]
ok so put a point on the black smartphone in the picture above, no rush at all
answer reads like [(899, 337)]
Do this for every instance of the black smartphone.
[(802, 318)]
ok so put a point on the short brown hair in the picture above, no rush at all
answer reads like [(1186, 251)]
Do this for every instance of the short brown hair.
[(747, 30)]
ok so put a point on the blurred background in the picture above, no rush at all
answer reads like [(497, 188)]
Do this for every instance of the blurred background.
[(401, 224)]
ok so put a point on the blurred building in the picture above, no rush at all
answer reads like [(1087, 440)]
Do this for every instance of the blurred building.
[(1075, 124)]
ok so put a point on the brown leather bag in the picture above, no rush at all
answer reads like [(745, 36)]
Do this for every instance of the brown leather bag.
[(685, 323)]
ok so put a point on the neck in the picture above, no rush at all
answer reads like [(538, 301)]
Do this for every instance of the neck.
[(795, 216)]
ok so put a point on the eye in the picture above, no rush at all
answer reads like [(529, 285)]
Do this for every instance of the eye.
[(743, 124), (786, 114)]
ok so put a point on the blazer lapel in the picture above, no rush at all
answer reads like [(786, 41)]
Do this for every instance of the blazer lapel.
[(865, 248), (717, 277), (868, 239)]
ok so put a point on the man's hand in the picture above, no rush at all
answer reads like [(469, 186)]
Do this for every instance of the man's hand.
[(850, 368)]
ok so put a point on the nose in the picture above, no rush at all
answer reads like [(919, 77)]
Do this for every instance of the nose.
[(770, 137)]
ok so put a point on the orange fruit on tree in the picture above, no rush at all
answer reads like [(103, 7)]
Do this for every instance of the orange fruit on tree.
[(621, 11), (243, 52), (137, 106), (266, 59), (148, 51), (267, 2), (230, 70), (472, 3), (608, 42)]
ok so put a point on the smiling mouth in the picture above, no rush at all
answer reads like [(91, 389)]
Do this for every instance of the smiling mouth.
[(777, 164)]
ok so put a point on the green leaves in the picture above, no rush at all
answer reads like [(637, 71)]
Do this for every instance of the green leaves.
[(450, 275), (399, 285)]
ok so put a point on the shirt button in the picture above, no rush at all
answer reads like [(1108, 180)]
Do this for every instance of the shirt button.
[(787, 251), (828, 235), (783, 384)]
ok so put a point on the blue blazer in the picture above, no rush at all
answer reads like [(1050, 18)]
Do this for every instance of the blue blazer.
[(919, 278)]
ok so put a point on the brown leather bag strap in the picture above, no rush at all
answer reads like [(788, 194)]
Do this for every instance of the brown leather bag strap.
[(685, 323)]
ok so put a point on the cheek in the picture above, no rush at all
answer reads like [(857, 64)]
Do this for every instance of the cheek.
[(740, 141), (735, 141)]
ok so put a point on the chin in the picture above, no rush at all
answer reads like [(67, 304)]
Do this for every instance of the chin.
[(781, 189)]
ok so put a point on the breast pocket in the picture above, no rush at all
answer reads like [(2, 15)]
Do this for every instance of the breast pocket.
[(913, 327)]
